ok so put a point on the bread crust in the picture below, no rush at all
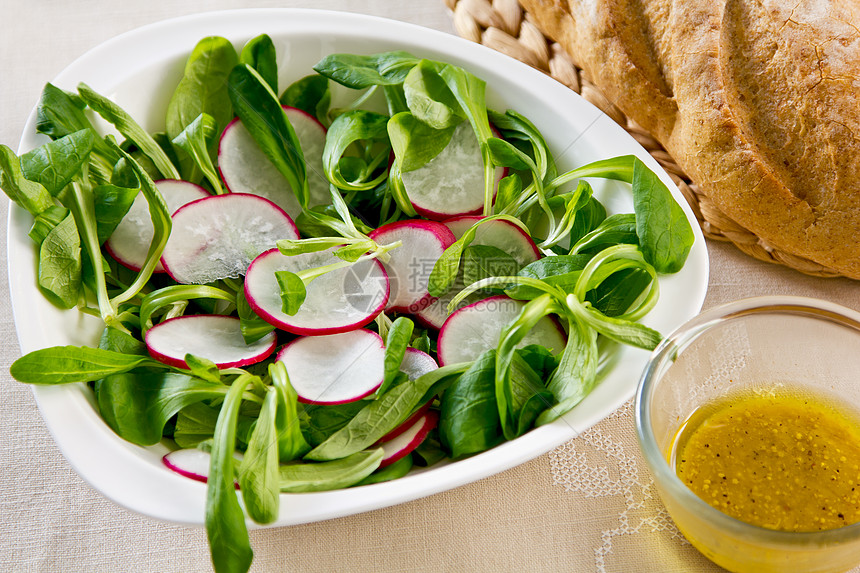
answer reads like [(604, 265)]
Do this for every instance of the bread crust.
[(758, 101)]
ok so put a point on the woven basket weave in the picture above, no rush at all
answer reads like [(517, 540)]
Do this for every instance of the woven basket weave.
[(504, 26)]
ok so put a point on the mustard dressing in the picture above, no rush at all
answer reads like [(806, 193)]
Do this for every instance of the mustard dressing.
[(783, 461)]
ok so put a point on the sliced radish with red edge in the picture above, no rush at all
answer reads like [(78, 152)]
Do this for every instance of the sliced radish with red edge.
[(129, 243), (417, 363), (410, 264), (218, 237), (405, 442), (407, 424), (476, 328), (452, 183), (214, 337), (192, 463), (338, 301), (246, 169), (335, 368), (498, 233)]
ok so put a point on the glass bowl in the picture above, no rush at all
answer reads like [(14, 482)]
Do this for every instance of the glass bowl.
[(747, 346)]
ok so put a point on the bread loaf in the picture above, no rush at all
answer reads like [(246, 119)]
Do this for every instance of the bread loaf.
[(757, 100)]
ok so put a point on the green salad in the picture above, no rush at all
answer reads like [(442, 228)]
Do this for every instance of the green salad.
[(301, 296)]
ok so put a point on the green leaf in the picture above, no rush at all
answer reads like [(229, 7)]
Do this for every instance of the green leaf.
[(60, 263), (414, 142), (196, 140), (505, 154), (482, 261), (129, 128), (396, 342), (253, 327), (359, 72), (267, 122), (203, 368), (328, 475), (28, 194), (45, 221), (384, 414), (259, 53), (66, 364), (665, 235), (323, 421), (202, 89), (110, 204), (137, 405), (55, 163), (225, 522), (258, 471), (614, 230), (311, 94), (576, 373), (293, 291), (469, 417), (429, 98), (350, 128), (291, 441)]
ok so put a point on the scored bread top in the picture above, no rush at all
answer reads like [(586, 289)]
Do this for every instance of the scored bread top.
[(757, 100)]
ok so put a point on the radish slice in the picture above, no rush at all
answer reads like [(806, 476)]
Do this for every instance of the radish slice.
[(129, 243), (409, 439), (452, 183), (476, 328), (218, 237), (336, 368), (410, 265), (436, 313), (246, 169), (338, 301), (214, 337), (192, 463), (497, 233), (417, 363)]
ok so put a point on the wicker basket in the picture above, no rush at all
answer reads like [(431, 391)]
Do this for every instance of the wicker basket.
[(504, 26)]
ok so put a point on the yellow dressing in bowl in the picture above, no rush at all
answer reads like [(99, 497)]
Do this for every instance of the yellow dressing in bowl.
[(782, 460)]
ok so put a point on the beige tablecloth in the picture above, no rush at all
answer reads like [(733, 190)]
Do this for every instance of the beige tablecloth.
[(589, 505)]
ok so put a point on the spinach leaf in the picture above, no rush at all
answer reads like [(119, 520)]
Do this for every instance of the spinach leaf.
[(66, 364), (384, 414), (195, 141), (28, 194), (614, 230), (253, 327), (264, 118), (429, 98), (225, 522), (576, 373), (55, 163), (349, 128), (527, 397), (482, 261), (323, 421), (124, 123), (60, 264), (45, 221), (137, 405), (396, 342), (291, 442), (258, 471), (202, 89), (328, 475), (664, 233), (259, 53), (311, 94), (414, 142), (110, 205), (469, 417), (359, 72)]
